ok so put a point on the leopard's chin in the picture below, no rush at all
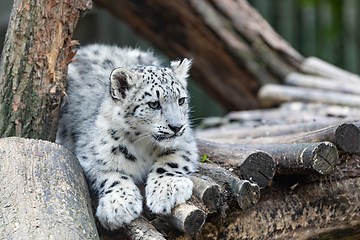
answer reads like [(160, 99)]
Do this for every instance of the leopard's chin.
[(163, 137)]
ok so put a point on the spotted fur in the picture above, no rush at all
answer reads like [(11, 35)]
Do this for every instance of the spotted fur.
[(126, 119)]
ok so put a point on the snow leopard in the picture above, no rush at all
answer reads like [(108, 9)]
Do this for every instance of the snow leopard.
[(126, 118)]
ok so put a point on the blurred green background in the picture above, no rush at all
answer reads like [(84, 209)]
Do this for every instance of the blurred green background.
[(327, 29)]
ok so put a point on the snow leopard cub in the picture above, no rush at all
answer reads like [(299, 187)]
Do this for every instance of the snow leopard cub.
[(126, 119)]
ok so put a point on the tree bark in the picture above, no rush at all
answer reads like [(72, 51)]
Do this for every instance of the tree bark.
[(33, 67), (44, 194), (239, 52)]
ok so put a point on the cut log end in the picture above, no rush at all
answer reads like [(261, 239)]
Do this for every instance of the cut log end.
[(347, 137), (248, 194), (207, 191), (211, 202), (259, 167), (325, 158), (188, 218)]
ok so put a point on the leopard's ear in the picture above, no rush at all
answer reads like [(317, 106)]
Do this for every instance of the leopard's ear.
[(121, 80), (181, 69)]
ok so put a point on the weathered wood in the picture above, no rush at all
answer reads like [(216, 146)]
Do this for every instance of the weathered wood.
[(276, 115), (347, 137), (274, 94), (292, 158), (347, 131), (321, 109), (242, 48), (207, 191), (33, 66), (267, 130), (314, 82), (142, 229), (246, 193), (302, 158), (316, 66), (188, 218), (296, 208), (44, 193), (255, 165)]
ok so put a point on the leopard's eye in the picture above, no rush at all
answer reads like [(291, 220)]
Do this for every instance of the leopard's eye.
[(154, 105), (181, 101)]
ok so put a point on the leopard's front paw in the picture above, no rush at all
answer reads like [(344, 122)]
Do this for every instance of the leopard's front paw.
[(162, 194), (119, 207)]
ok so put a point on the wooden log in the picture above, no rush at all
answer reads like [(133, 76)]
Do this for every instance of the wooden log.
[(347, 131), (274, 94), (347, 137), (294, 158), (267, 130), (44, 193), (277, 115), (316, 66), (207, 191), (142, 229), (188, 218), (297, 208), (246, 193), (314, 82), (257, 166), (302, 158), (321, 109)]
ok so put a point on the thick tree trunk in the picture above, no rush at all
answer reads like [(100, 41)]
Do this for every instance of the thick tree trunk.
[(44, 193), (33, 69), (231, 44)]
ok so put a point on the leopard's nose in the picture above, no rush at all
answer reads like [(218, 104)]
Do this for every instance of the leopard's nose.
[(175, 128)]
